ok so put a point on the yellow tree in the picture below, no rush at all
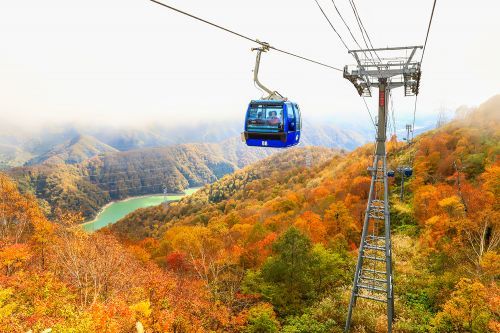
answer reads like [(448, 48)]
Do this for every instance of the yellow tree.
[(466, 310), (16, 212), (24, 230)]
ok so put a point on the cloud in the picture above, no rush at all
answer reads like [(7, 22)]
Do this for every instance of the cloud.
[(128, 62)]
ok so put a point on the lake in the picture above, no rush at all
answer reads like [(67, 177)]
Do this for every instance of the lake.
[(116, 210)]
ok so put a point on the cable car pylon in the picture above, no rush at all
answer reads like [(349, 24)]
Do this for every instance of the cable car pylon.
[(373, 277)]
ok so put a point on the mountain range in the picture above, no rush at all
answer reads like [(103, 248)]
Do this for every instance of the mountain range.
[(71, 144), (73, 151), (72, 180), (82, 168), (78, 168)]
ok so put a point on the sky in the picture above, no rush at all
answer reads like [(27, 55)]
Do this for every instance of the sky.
[(133, 62)]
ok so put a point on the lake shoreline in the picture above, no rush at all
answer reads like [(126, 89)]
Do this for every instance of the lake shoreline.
[(130, 198), (110, 213)]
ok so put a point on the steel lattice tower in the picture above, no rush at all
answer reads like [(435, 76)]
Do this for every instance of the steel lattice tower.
[(373, 278)]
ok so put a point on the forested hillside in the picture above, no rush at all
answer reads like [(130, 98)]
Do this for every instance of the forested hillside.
[(271, 247), (87, 186), (255, 180), (237, 234)]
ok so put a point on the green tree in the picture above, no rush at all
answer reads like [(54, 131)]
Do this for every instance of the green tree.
[(327, 269), (305, 324), (297, 273), (287, 272), (262, 319)]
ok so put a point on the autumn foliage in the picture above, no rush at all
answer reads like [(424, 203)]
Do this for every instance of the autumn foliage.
[(271, 247)]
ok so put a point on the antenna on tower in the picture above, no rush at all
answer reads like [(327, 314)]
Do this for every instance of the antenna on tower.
[(409, 129), (165, 193)]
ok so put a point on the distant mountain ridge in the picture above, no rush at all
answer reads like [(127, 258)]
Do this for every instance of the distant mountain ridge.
[(76, 150), (331, 136), (12, 155), (73, 144), (83, 169)]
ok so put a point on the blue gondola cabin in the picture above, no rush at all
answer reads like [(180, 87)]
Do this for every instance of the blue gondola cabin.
[(271, 123), (408, 172)]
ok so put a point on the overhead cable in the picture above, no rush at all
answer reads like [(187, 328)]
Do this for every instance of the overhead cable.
[(371, 117), (363, 27), (421, 60), (358, 21), (331, 25), (428, 30), (245, 37), (346, 25)]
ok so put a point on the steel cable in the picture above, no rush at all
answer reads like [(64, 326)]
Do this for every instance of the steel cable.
[(245, 37)]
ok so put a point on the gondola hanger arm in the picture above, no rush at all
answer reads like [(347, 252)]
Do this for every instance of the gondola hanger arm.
[(272, 95)]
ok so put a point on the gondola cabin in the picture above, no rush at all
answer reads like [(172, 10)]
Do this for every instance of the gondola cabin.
[(272, 123), (408, 172)]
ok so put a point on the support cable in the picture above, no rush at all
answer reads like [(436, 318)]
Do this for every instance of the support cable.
[(349, 29), (363, 26), (428, 30), (414, 117), (246, 37), (326, 17), (393, 114), (331, 25), (346, 25), (421, 61), (358, 21), (371, 117)]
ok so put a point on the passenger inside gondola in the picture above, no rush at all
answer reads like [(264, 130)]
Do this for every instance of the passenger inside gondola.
[(273, 118), (263, 118)]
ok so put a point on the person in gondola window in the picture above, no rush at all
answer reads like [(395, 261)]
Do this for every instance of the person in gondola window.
[(273, 118)]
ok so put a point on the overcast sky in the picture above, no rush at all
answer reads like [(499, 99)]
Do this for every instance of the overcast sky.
[(134, 62)]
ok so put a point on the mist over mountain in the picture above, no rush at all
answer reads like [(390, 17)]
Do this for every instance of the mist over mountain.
[(73, 143), (33, 144), (81, 168)]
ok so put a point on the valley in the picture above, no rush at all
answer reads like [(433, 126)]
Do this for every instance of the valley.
[(82, 169), (88, 185)]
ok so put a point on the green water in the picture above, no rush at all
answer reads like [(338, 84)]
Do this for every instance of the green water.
[(119, 209)]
